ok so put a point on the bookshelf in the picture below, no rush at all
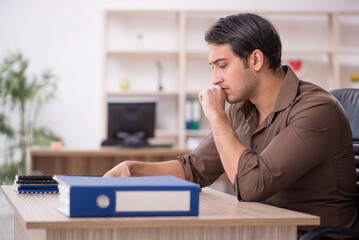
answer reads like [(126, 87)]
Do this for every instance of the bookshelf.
[(148, 49)]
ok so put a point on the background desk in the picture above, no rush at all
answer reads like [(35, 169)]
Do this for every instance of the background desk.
[(221, 216), (99, 161)]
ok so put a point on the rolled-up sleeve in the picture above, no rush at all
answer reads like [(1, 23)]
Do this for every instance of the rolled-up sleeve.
[(303, 144), (203, 164)]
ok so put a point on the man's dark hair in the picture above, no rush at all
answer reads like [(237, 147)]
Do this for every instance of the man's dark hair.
[(245, 33)]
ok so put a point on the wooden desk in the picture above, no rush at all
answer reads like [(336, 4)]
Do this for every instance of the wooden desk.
[(98, 161), (221, 216)]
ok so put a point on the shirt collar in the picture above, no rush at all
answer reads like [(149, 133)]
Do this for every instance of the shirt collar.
[(288, 91), (286, 96)]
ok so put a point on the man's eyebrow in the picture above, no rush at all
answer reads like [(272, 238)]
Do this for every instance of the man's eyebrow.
[(217, 60)]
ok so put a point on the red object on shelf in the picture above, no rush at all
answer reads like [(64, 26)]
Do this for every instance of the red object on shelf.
[(295, 64)]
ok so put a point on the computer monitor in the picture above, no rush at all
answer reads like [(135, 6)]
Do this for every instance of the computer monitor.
[(130, 122)]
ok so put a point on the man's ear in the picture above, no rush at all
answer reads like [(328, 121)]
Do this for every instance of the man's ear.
[(257, 59)]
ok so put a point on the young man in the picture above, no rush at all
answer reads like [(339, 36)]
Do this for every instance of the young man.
[(283, 141)]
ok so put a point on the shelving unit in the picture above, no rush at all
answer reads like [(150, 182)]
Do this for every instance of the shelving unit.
[(137, 44), (348, 48)]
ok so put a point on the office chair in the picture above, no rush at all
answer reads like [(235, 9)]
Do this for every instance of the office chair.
[(349, 99)]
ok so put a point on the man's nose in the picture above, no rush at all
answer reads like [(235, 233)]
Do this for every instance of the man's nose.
[(216, 78)]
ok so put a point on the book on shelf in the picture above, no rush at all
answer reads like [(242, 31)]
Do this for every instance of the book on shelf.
[(83, 196), (193, 114)]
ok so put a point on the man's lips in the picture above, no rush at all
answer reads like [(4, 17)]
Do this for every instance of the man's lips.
[(225, 89)]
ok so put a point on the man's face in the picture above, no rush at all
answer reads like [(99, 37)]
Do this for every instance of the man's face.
[(230, 73)]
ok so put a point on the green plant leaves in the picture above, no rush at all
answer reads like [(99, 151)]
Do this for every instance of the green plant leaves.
[(22, 97)]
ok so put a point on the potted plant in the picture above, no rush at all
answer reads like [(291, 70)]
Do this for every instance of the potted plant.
[(21, 99)]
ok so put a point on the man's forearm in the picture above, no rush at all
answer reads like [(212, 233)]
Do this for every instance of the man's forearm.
[(172, 167), (228, 146), (227, 143)]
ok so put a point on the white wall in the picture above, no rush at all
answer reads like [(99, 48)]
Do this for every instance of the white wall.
[(66, 36)]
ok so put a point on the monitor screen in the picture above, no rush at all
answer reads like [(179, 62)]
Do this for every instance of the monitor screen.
[(131, 119)]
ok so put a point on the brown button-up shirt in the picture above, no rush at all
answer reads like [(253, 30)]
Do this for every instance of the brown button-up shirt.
[(300, 157)]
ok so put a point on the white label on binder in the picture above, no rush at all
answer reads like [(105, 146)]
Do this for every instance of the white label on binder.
[(149, 201)]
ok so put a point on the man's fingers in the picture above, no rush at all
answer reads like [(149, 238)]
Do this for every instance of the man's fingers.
[(125, 173), (200, 96), (109, 174), (120, 170)]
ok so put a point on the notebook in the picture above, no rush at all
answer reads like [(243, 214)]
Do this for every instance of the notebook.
[(35, 184)]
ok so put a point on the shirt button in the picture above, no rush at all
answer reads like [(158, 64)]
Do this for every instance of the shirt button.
[(254, 146)]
